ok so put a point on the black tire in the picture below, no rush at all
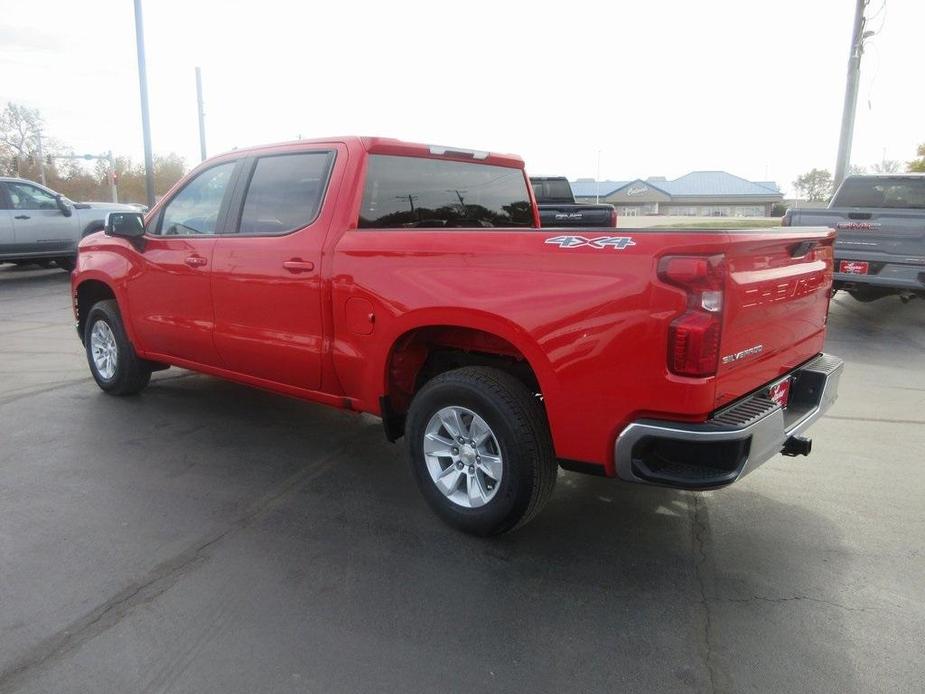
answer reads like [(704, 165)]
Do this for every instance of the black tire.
[(65, 263), (518, 422), (131, 374)]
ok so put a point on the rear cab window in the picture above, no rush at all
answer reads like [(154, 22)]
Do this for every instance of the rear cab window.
[(406, 192), (553, 190), (882, 191)]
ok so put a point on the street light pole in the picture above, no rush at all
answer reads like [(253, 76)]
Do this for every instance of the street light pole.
[(42, 159), (145, 118), (112, 176), (597, 180), (202, 116), (851, 93)]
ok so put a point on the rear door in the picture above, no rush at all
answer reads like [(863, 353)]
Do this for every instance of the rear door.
[(38, 225), (266, 277), (170, 294)]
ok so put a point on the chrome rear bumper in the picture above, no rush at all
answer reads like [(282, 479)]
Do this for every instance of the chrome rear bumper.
[(735, 441)]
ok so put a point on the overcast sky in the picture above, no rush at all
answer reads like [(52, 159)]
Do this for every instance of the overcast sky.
[(660, 87)]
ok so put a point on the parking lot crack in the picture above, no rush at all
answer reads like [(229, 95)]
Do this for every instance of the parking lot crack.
[(794, 598), (699, 537)]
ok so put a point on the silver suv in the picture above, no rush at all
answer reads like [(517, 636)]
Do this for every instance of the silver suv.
[(39, 225)]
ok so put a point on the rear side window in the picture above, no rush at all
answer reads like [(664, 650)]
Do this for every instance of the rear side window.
[(285, 192), (893, 191), (412, 192)]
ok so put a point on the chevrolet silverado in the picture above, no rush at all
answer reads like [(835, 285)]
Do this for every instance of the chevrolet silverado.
[(413, 282)]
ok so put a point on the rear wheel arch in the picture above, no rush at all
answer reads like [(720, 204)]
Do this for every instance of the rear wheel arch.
[(423, 353)]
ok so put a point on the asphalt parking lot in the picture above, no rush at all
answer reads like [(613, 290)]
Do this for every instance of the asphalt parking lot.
[(205, 537)]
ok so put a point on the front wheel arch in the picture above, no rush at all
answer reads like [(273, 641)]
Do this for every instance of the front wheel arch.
[(88, 294)]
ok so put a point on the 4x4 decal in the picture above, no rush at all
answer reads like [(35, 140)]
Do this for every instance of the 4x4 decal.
[(618, 242)]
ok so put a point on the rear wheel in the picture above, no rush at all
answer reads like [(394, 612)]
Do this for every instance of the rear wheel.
[(113, 362), (481, 450)]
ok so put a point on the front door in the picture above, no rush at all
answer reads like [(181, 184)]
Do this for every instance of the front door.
[(39, 226), (170, 293), (266, 273)]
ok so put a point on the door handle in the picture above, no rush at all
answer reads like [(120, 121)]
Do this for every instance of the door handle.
[(22, 216), (195, 261), (298, 265)]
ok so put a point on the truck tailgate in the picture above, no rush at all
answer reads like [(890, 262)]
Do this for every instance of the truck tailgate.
[(778, 286)]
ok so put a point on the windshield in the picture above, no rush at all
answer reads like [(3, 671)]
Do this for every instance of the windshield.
[(882, 191)]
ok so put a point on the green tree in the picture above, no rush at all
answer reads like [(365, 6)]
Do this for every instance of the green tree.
[(815, 185), (917, 165)]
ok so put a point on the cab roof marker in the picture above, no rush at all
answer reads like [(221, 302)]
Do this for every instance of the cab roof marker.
[(475, 154)]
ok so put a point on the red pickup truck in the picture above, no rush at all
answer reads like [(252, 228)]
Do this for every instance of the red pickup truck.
[(413, 282)]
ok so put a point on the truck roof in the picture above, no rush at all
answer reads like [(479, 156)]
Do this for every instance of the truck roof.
[(393, 146)]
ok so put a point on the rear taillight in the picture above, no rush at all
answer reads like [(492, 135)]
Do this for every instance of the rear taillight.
[(693, 337), (613, 217)]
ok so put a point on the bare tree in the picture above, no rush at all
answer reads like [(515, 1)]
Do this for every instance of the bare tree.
[(20, 127), (888, 166)]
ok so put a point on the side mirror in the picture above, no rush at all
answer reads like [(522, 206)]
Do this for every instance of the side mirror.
[(129, 225), (64, 205)]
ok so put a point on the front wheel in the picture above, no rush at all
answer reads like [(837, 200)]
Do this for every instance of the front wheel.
[(113, 362), (480, 449)]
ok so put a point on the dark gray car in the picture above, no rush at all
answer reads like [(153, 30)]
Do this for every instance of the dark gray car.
[(880, 220), (39, 225)]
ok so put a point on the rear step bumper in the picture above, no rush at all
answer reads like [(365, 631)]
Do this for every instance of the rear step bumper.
[(735, 441)]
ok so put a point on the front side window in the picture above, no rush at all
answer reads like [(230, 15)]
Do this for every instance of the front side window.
[(26, 197), (285, 192), (194, 210), (413, 192)]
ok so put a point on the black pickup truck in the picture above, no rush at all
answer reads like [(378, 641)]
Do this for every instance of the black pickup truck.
[(880, 220), (558, 207)]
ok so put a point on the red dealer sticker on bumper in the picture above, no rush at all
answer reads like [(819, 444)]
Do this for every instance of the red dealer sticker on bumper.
[(853, 267), (780, 393)]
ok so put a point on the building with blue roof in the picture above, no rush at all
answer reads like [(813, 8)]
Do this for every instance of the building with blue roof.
[(697, 194)]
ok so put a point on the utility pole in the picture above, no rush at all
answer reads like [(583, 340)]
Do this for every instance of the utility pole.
[(202, 116), (41, 158), (145, 118), (597, 180), (851, 93), (112, 176)]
